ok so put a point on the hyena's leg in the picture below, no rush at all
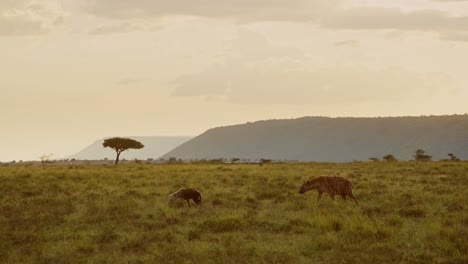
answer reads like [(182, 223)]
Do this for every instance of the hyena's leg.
[(320, 194), (354, 198), (343, 196), (188, 202)]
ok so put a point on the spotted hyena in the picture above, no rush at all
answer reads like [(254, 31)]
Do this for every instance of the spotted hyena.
[(186, 194), (330, 185)]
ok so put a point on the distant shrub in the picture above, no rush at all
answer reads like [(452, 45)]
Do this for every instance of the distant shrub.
[(216, 161), (45, 159), (420, 155), (389, 158), (452, 157)]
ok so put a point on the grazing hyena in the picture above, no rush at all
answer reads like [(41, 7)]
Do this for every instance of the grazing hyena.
[(186, 194), (331, 185)]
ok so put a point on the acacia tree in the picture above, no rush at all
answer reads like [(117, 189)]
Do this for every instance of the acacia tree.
[(121, 144), (420, 155), (452, 157), (389, 158), (45, 159)]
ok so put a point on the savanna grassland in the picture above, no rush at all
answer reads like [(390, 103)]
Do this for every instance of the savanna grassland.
[(409, 212)]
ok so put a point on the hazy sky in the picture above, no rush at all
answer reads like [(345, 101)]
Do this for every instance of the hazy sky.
[(73, 71)]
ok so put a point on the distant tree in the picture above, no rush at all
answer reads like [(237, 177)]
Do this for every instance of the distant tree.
[(45, 159), (234, 160), (172, 160), (374, 159), (120, 145), (220, 160), (420, 155), (452, 157), (389, 158)]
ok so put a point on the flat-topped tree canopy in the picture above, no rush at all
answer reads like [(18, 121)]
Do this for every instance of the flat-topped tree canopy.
[(121, 144)]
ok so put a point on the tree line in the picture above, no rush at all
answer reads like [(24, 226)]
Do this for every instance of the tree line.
[(419, 155)]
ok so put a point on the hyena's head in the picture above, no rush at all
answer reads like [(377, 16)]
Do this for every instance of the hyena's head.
[(308, 185), (198, 199)]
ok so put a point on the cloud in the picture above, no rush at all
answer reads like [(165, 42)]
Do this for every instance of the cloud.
[(272, 76), (347, 43), (393, 18), (129, 82), (320, 86), (455, 36), (326, 13), (240, 10), (26, 17), (380, 18), (124, 27)]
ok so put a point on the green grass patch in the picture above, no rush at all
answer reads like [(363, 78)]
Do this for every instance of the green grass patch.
[(408, 212)]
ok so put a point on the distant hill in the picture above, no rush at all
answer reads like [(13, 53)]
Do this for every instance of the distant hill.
[(332, 139), (154, 148)]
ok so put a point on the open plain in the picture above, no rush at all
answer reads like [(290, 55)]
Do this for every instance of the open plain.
[(408, 212)]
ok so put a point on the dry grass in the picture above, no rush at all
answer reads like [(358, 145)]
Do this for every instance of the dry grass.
[(409, 213)]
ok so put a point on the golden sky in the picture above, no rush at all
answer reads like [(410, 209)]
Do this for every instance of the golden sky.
[(73, 71)]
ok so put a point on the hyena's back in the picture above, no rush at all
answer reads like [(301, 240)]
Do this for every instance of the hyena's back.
[(330, 185), (186, 194), (334, 185)]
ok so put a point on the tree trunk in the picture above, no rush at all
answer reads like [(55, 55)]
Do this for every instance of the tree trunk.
[(117, 158)]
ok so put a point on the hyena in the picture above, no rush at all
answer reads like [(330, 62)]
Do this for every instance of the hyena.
[(331, 185), (186, 194)]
